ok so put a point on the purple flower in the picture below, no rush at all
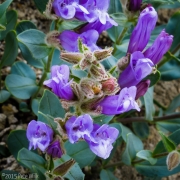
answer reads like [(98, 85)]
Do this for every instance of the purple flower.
[(117, 104), (79, 127), (59, 82), (39, 135), (160, 47), (67, 9), (141, 33), (54, 150), (142, 88), (135, 5), (69, 40), (103, 137), (138, 68)]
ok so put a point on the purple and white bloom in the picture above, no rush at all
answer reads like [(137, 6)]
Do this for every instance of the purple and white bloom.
[(69, 40), (160, 46), (79, 127), (39, 135), (103, 137), (59, 82), (67, 9), (134, 5), (142, 88), (141, 33), (117, 104), (138, 68), (54, 149)]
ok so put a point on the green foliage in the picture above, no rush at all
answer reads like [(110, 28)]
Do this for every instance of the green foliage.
[(4, 95), (107, 175)]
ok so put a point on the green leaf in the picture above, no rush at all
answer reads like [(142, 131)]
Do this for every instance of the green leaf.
[(16, 141), (107, 175), (34, 40), (50, 105), (3, 22), (102, 119), (75, 173), (4, 6), (80, 152), (141, 129), (11, 17), (114, 7), (4, 95), (23, 106), (41, 5), (173, 137), (157, 170), (147, 155), (168, 143), (133, 145), (24, 25), (24, 70), (149, 106), (154, 78), (35, 106), (175, 103), (20, 87), (30, 159), (11, 50), (4, 152)]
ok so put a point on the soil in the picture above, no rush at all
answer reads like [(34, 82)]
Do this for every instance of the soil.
[(12, 118)]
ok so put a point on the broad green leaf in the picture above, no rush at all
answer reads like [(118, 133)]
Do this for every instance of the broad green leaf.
[(23, 106), (24, 25), (30, 159), (173, 137), (4, 6), (38, 174), (50, 105), (75, 172), (35, 106), (22, 69), (34, 40), (168, 143), (147, 155), (114, 7), (141, 129), (11, 50), (114, 32), (133, 145), (149, 106), (20, 87), (11, 17), (4, 95), (157, 170), (107, 175), (41, 5), (154, 78), (3, 23), (80, 152), (175, 103), (16, 141), (102, 119), (4, 152)]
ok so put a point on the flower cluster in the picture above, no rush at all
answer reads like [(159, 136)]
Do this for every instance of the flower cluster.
[(40, 135), (99, 138)]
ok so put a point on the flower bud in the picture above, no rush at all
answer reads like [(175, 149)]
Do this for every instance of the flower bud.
[(141, 33), (52, 40), (134, 5), (98, 72), (160, 46), (55, 150), (142, 87), (102, 54), (173, 160), (72, 57), (123, 62)]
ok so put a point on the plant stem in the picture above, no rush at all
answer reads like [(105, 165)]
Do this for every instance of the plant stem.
[(46, 70), (156, 119)]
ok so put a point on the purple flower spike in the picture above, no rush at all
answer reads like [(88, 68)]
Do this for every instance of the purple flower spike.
[(55, 150), (39, 135), (117, 104), (69, 40), (103, 137), (79, 127), (142, 88), (138, 68), (141, 33), (135, 5), (59, 82), (67, 9), (160, 47)]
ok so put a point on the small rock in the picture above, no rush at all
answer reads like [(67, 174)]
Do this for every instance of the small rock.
[(12, 119), (2, 121)]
